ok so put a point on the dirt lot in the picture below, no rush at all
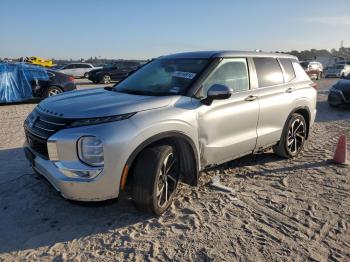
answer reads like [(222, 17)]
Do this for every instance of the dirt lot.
[(293, 210)]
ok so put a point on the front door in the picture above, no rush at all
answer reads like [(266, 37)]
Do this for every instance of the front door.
[(227, 128)]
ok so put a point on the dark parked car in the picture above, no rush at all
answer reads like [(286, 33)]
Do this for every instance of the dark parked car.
[(113, 72), (339, 94), (20, 82)]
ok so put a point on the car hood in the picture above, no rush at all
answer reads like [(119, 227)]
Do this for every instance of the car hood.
[(99, 102), (343, 84)]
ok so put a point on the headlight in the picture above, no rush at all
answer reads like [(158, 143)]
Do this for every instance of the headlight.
[(100, 120), (90, 150)]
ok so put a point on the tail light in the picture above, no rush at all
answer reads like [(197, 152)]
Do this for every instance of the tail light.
[(71, 79)]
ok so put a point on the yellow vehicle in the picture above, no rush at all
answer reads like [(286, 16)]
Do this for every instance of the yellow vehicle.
[(39, 61)]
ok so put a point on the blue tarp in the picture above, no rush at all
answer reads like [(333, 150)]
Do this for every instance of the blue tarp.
[(17, 81)]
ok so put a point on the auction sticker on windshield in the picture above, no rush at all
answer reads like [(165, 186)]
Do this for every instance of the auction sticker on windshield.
[(181, 74)]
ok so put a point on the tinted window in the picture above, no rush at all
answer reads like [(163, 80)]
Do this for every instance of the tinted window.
[(269, 71), (163, 77), (230, 72), (70, 66), (288, 68), (131, 64), (83, 66)]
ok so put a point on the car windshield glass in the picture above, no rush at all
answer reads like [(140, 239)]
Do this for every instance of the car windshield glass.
[(109, 66), (163, 77), (304, 64), (339, 67)]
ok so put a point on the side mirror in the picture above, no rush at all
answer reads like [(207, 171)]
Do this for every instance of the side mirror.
[(217, 92)]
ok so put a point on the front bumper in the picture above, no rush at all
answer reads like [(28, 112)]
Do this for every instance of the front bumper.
[(70, 188), (337, 99), (106, 185), (332, 74)]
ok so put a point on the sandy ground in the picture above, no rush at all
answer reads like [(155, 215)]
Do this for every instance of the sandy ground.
[(294, 210)]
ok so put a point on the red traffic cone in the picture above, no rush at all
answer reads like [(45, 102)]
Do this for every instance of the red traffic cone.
[(341, 152)]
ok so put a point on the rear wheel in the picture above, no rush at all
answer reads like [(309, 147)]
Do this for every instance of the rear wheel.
[(106, 79), (293, 137), (52, 91), (156, 175)]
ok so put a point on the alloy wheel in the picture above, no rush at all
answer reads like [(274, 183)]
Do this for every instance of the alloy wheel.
[(106, 79), (296, 136), (167, 180), (54, 91)]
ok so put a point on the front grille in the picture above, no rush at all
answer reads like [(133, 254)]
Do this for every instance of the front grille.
[(41, 129), (346, 95), (37, 144), (45, 126)]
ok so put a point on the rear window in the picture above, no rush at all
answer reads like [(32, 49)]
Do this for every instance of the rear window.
[(288, 68), (268, 71)]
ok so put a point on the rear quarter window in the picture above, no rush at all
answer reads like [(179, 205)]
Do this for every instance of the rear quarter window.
[(268, 71), (300, 72), (288, 69)]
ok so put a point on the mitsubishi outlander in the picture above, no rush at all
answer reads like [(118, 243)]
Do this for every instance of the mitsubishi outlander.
[(170, 119)]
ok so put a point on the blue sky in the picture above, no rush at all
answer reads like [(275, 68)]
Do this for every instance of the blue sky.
[(145, 29)]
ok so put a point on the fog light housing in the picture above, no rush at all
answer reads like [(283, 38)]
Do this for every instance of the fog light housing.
[(84, 173), (90, 151)]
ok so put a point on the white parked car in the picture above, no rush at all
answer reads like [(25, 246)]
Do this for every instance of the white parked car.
[(77, 69), (338, 70)]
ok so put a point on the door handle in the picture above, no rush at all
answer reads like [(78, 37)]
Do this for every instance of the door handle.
[(250, 98), (289, 90)]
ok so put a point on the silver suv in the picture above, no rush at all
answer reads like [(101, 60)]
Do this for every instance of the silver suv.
[(170, 119)]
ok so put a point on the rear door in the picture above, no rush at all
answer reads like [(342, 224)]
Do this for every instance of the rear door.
[(227, 128), (276, 97), (79, 70), (68, 69)]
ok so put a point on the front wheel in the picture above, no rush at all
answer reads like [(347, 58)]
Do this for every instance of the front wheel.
[(86, 75), (293, 137), (156, 176)]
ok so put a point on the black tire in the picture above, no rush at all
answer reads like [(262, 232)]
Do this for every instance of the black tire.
[(152, 190), (52, 90), (293, 137), (106, 79), (86, 75)]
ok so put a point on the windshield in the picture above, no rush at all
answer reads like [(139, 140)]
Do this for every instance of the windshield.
[(304, 64), (163, 77), (339, 66), (108, 66)]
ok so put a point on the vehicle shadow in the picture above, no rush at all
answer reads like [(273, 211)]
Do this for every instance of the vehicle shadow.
[(29, 101), (34, 215)]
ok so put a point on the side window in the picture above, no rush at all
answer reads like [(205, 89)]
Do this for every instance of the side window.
[(269, 71), (232, 72), (288, 68), (71, 66)]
